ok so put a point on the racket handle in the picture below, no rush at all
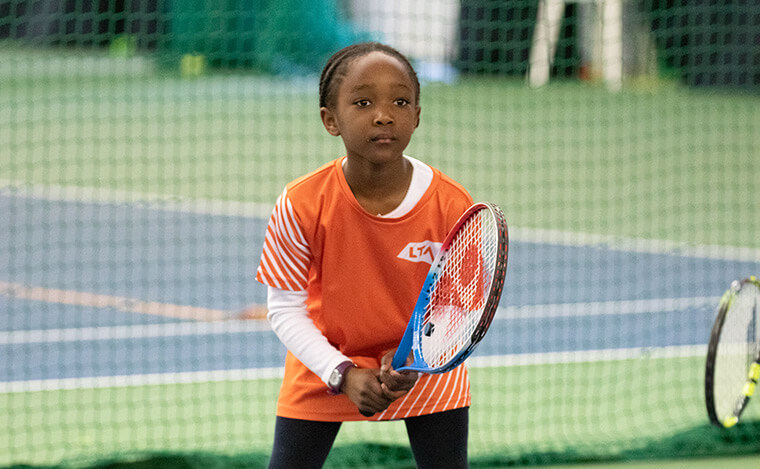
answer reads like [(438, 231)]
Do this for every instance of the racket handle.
[(366, 414)]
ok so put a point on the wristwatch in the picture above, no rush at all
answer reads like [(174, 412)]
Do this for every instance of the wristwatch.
[(336, 377)]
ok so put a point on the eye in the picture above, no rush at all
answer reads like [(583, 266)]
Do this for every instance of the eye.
[(401, 102), (362, 102)]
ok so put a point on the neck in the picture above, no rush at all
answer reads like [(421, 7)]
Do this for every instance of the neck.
[(378, 188)]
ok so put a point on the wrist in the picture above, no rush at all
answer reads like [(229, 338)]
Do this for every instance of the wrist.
[(338, 377)]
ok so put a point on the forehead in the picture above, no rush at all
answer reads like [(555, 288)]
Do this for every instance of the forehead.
[(374, 69)]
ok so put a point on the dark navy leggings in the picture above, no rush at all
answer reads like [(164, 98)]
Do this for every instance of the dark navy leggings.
[(437, 441)]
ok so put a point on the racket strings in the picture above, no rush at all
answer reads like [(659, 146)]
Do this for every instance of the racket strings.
[(458, 297), (737, 351)]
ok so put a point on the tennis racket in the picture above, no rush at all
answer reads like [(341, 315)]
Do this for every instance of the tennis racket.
[(460, 294), (733, 355)]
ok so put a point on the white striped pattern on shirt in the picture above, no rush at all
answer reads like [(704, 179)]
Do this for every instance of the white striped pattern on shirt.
[(286, 255), (451, 384)]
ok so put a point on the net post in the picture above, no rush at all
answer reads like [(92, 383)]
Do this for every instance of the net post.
[(612, 43), (544, 42), (546, 35)]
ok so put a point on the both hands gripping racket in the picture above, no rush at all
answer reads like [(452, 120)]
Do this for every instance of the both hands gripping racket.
[(733, 355)]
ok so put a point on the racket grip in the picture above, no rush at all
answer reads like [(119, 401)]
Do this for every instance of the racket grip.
[(366, 414)]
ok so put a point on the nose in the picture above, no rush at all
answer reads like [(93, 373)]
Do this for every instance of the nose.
[(383, 116)]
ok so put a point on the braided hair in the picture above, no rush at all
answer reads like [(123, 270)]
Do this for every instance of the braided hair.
[(337, 66)]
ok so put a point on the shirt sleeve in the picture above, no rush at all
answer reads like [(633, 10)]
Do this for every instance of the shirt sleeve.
[(286, 255), (291, 323)]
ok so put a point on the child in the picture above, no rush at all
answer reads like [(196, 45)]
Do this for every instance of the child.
[(345, 255)]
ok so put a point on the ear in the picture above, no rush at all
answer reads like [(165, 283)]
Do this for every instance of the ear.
[(329, 121), (417, 124)]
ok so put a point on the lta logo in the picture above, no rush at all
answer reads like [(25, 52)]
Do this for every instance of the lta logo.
[(424, 251)]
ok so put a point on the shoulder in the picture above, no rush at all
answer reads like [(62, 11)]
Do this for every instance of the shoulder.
[(313, 181), (453, 186), (312, 198), (319, 188), (450, 188)]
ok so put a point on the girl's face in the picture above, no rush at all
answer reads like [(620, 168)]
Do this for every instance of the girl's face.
[(375, 112)]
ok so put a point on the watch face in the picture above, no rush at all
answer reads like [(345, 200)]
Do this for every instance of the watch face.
[(335, 378)]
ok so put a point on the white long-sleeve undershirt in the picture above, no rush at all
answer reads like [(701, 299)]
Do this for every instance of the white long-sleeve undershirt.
[(291, 322)]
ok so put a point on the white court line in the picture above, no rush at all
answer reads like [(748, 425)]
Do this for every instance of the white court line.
[(97, 195), (250, 374), (582, 356), (130, 332), (659, 305), (152, 379), (263, 211), (639, 245)]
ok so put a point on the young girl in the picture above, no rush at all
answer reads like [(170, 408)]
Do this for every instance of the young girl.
[(345, 255)]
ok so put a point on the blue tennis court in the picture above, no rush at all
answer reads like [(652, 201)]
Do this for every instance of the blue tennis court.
[(74, 298)]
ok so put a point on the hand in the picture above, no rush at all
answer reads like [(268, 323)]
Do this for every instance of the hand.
[(363, 387), (396, 383)]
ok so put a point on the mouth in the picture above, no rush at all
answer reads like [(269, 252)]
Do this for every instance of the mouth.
[(382, 138)]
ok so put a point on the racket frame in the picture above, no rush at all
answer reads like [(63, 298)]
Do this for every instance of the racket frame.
[(411, 341), (753, 373)]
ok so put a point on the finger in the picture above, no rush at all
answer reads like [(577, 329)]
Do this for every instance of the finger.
[(396, 381), (390, 373), (390, 389), (374, 399), (387, 358), (376, 403), (370, 410), (393, 394)]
